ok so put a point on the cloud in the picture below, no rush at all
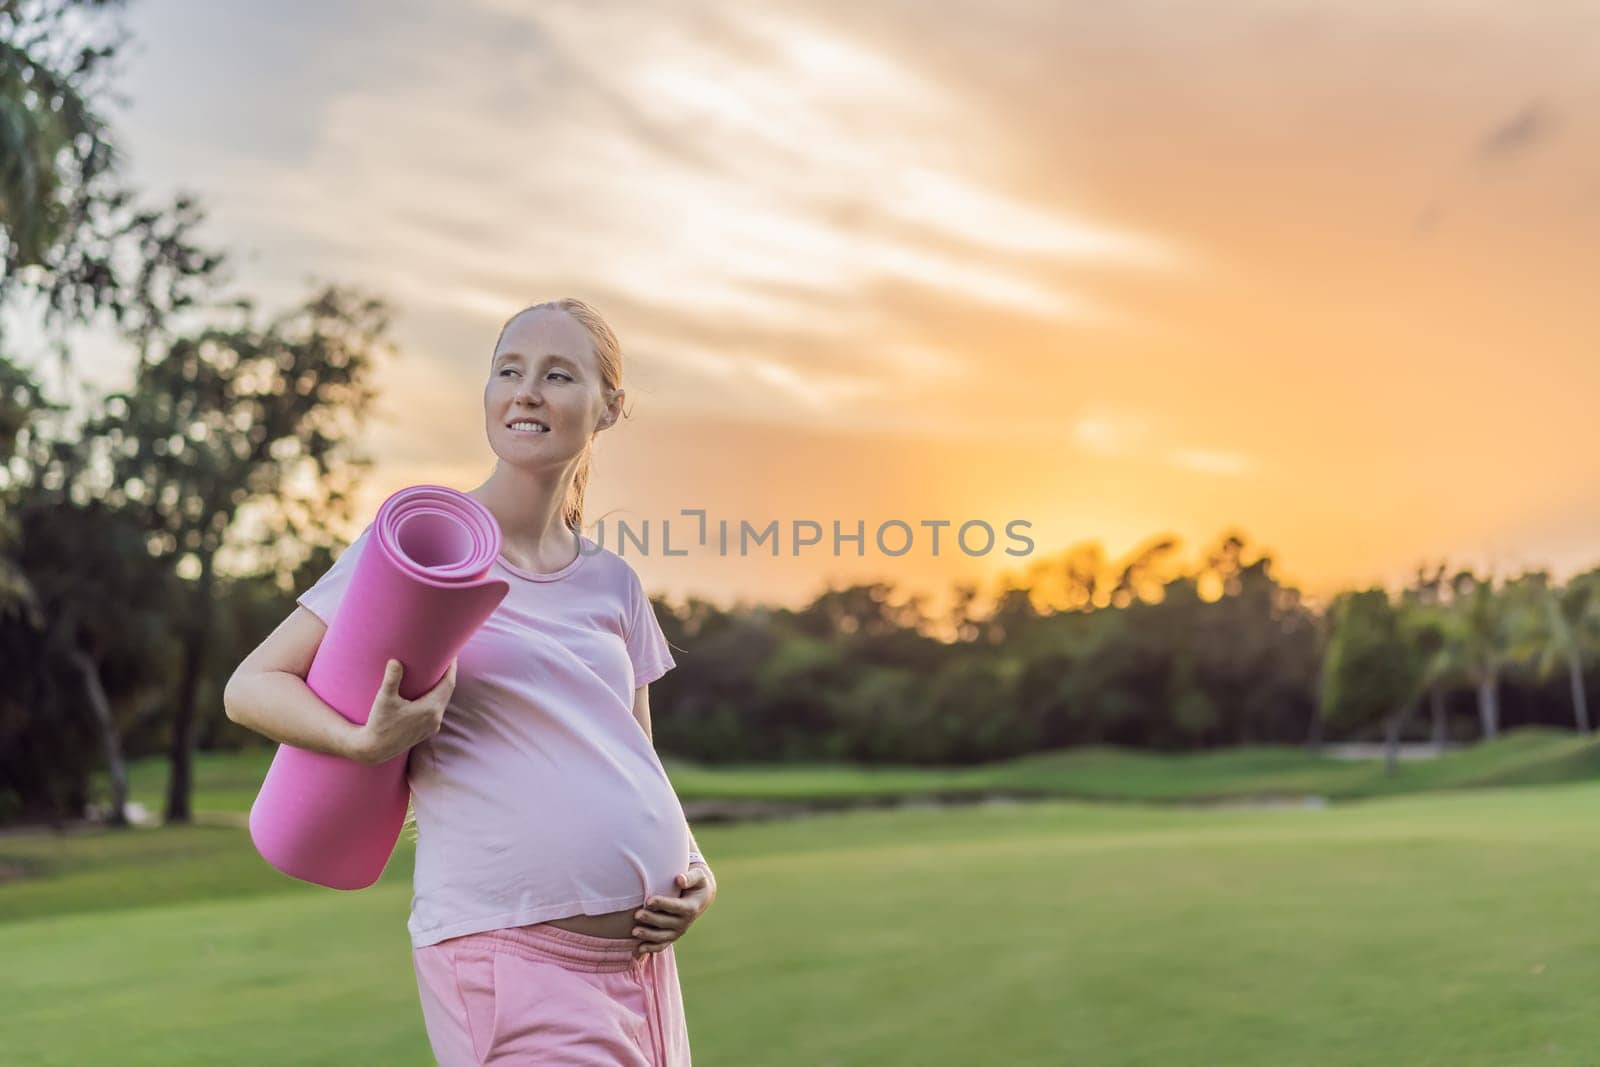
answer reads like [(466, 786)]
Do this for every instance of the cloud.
[(1428, 218), (1212, 461), (1513, 137), (1113, 434), (962, 209), (733, 381), (1110, 433), (1516, 135), (745, 185)]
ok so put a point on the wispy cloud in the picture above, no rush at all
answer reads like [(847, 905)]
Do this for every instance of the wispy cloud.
[(1109, 433), (1120, 434), (768, 173), (1212, 461), (1532, 123)]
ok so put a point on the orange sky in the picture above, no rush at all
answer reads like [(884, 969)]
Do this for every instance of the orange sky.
[(1318, 273)]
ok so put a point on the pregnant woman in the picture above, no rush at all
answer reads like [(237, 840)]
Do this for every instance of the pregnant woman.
[(554, 865)]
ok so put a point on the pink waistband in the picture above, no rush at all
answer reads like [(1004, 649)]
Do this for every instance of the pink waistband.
[(572, 950)]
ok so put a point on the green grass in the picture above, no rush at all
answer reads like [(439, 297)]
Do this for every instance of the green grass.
[(227, 782), (1448, 928), (93, 870), (1523, 757), (223, 781)]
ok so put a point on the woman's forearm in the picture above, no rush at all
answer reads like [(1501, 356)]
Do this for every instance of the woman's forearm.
[(279, 705)]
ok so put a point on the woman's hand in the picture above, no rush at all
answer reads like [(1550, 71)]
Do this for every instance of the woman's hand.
[(395, 724), (663, 920)]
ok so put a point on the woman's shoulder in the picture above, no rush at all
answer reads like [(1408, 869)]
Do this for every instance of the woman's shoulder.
[(608, 567)]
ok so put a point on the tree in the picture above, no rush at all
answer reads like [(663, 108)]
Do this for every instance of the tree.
[(223, 414), (1556, 624), (23, 407), (1144, 571), (1426, 613), (872, 711), (75, 242), (797, 689), (239, 416), (1425, 637), (77, 596), (1372, 673), (54, 147), (1480, 624), (97, 640), (1255, 652)]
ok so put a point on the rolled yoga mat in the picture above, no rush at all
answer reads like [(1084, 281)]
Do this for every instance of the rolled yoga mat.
[(419, 591)]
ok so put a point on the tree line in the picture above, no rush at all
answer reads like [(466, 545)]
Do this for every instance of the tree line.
[(1210, 654)]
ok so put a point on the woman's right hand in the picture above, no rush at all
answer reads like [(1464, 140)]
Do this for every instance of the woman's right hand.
[(395, 724)]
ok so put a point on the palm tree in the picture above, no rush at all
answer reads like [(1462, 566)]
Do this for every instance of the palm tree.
[(1577, 610), (1425, 630), (1428, 620), (1555, 625), (1479, 628)]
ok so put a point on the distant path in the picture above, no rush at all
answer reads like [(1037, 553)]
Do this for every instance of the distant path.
[(1410, 751)]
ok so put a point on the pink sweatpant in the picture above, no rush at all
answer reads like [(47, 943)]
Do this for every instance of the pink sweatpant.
[(542, 995)]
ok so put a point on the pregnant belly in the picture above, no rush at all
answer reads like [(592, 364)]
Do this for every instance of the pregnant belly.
[(614, 924)]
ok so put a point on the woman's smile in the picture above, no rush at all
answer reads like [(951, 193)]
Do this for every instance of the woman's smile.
[(527, 427)]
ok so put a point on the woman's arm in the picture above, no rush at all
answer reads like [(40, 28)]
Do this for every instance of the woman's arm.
[(641, 710), (267, 692)]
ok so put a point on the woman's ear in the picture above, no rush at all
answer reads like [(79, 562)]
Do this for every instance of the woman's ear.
[(613, 410)]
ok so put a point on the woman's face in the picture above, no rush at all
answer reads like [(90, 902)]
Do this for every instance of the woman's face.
[(545, 371)]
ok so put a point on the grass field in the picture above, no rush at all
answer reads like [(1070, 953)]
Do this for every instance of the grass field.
[(1446, 928), (227, 782)]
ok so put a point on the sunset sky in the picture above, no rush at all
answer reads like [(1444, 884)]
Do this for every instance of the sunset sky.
[(1319, 272)]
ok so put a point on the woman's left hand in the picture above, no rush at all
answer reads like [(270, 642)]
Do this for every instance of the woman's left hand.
[(663, 920)]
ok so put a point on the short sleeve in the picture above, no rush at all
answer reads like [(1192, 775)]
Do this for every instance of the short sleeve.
[(647, 645), (323, 597)]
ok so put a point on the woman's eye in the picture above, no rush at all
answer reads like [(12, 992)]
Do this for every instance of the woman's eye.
[(555, 373)]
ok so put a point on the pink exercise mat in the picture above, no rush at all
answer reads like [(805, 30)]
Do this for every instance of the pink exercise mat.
[(420, 589)]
